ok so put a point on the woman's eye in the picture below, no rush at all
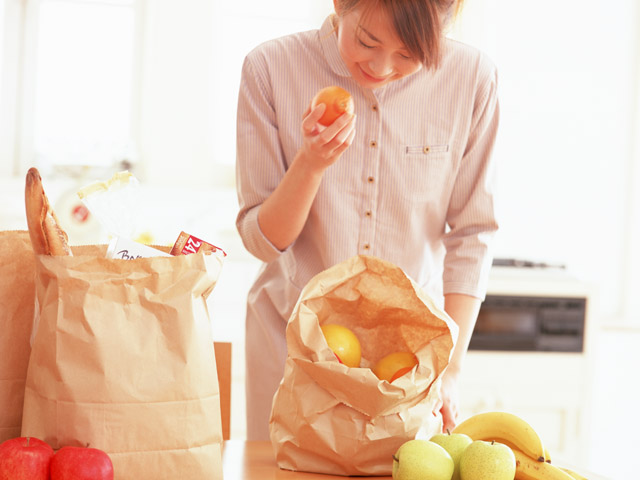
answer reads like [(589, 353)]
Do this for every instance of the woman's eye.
[(364, 44)]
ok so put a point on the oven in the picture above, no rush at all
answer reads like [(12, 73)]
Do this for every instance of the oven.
[(532, 308)]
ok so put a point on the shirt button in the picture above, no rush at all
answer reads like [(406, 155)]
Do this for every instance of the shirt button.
[(426, 149), (374, 108), (373, 143), (368, 213), (370, 179), (366, 246)]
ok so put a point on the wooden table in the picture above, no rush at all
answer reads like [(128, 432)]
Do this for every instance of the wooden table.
[(255, 460)]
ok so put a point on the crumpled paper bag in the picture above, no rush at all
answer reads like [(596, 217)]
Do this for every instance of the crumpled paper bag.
[(123, 360), (329, 418), (17, 293)]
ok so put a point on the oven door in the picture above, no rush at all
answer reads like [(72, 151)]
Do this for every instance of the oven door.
[(520, 323)]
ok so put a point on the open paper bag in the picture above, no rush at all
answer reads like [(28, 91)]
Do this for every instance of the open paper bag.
[(123, 361), (17, 293), (329, 418)]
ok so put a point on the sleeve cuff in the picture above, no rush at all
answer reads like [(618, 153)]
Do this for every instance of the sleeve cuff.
[(255, 241)]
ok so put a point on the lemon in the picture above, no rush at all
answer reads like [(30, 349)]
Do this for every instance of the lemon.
[(344, 344)]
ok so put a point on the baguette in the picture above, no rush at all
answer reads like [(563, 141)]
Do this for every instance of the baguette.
[(47, 237)]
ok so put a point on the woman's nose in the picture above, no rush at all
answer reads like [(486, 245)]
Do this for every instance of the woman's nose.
[(381, 66)]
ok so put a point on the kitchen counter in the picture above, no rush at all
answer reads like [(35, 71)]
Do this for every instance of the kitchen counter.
[(255, 460), (252, 460)]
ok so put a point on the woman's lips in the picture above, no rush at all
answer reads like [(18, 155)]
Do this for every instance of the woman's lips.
[(371, 78)]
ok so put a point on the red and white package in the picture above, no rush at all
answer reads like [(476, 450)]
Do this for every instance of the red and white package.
[(187, 244)]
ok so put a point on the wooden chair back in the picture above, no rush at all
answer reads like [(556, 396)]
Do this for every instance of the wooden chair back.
[(223, 365)]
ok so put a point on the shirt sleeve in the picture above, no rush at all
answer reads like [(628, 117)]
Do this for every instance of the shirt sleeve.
[(260, 163), (471, 214)]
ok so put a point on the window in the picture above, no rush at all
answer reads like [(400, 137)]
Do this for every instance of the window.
[(77, 88), (84, 83), (1, 40)]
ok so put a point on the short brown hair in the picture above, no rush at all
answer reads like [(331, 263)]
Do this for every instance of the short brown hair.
[(418, 23)]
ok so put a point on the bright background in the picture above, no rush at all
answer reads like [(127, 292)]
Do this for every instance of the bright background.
[(87, 84)]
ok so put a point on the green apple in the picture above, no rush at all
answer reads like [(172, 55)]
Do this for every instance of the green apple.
[(455, 444), (487, 461), (422, 460)]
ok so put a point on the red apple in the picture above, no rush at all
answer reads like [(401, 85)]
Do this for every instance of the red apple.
[(25, 458), (81, 463)]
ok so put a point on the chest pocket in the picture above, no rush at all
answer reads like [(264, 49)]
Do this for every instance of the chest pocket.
[(428, 167)]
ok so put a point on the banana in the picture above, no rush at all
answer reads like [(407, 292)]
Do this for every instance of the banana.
[(529, 469), (506, 428), (575, 475)]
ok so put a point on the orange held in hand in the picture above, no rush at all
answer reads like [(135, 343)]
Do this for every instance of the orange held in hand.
[(394, 365), (337, 101), (344, 343)]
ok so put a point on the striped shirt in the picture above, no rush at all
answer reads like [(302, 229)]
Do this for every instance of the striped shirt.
[(415, 187)]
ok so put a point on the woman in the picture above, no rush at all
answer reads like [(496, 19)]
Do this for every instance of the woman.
[(410, 181)]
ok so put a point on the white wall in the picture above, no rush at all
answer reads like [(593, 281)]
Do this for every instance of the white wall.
[(177, 75), (568, 88)]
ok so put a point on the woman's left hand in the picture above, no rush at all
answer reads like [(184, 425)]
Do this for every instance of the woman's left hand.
[(449, 400)]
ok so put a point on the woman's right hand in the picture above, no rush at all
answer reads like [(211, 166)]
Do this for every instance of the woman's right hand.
[(322, 146), (284, 213)]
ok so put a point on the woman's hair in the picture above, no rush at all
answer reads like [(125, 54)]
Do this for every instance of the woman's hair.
[(418, 23)]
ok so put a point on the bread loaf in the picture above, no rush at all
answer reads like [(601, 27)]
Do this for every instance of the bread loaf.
[(47, 237)]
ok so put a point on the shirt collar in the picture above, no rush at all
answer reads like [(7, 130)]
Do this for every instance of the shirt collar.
[(329, 43)]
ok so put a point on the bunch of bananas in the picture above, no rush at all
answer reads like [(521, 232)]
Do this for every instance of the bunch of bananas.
[(533, 461)]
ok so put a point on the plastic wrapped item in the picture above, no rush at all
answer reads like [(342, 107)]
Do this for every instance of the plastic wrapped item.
[(115, 203)]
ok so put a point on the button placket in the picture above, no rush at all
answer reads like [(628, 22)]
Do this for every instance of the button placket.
[(368, 225), (372, 167)]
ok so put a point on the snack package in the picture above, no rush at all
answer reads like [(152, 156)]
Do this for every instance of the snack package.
[(187, 244), (330, 418)]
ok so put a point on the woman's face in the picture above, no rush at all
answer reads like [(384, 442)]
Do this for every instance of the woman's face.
[(371, 49)]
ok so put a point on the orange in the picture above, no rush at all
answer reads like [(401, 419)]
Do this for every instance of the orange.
[(337, 101), (344, 344), (394, 365)]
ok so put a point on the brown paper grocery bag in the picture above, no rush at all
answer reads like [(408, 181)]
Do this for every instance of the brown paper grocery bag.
[(329, 418), (123, 361), (17, 293)]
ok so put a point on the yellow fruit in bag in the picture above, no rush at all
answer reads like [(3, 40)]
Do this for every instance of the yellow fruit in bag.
[(344, 344), (394, 365)]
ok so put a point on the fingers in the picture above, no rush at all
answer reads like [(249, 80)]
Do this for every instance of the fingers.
[(449, 416), (336, 135), (311, 117), (324, 145), (346, 143)]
